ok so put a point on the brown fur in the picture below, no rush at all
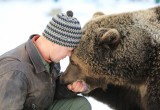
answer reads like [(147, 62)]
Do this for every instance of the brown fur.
[(120, 53)]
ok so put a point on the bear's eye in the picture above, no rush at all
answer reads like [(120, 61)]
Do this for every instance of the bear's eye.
[(73, 63)]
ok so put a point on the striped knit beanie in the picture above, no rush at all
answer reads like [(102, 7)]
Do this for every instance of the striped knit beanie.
[(64, 29)]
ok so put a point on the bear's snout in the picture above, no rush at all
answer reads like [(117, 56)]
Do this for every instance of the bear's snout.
[(62, 80)]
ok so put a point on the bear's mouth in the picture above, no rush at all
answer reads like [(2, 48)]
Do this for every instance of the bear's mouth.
[(86, 86), (83, 83)]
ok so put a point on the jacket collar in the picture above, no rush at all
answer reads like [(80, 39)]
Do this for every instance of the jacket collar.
[(35, 58)]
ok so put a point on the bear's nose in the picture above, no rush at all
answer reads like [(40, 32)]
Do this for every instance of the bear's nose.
[(61, 81), (64, 81)]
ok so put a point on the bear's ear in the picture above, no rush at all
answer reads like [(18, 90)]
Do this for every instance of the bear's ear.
[(97, 14), (110, 38)]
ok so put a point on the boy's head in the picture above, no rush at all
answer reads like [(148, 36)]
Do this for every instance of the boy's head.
[(64, 29)]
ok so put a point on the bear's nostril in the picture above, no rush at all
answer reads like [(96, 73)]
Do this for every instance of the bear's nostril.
[(61, 81)]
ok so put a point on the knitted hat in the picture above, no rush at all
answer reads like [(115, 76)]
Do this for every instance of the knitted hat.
[(64, 30)]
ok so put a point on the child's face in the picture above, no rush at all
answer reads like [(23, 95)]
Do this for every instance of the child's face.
[(59, 52)]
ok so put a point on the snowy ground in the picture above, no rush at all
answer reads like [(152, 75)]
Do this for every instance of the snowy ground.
[(21, 18)]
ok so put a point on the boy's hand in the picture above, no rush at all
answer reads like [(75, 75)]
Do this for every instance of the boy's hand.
[(78, 86)]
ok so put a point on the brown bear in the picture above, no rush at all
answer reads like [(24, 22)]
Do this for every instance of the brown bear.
[(119, 59)]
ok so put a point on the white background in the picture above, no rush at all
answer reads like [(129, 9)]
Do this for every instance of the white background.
[(21, 18)]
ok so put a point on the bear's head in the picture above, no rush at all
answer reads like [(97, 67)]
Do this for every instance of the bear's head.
[(115, 49)]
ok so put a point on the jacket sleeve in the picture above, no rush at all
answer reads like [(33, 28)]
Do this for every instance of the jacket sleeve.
[(13, 90), (62, 91)]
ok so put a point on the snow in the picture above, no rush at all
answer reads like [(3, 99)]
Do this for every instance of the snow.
[(21, 18)]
